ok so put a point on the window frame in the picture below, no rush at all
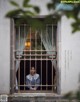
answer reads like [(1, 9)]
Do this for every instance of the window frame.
[(12, 63)]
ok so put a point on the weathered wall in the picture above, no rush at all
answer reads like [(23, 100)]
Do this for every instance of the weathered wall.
[(4, 49), (70, 57), (68, 50), (5, 41)]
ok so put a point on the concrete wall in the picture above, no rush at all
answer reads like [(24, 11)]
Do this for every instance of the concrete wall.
[(4, 49), (5, 41), (68, 50), (70, 57)]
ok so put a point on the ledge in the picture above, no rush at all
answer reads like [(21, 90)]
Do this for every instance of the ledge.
[(33, 95)]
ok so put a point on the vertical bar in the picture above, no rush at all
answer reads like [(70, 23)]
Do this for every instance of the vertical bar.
[(14, 58), (56, 70), (46, 61), (36, 48), (52, 56), (19, 63), (46, 74), (41, 59), (24, 58), (14, 74), (30, 47)]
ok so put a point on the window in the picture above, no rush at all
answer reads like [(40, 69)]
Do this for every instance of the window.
[(35, 48)]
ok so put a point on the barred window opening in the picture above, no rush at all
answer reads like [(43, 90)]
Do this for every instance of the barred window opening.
[(35, 49)]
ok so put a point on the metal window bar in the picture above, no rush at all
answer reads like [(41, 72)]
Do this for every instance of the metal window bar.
[(52, 58), (41, 59), (19, 64), (15, 31), (36, 85), (35, 59), (24, 58), (14, 60), (17, 56), (35, 48), (46, 61), (14, 63), (30, 47)]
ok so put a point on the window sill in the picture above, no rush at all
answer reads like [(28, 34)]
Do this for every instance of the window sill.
[(36, 94)]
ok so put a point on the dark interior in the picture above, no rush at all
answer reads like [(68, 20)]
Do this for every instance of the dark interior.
[(25, 70)]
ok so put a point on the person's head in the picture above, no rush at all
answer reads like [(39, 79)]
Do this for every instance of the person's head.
[(32, 71)]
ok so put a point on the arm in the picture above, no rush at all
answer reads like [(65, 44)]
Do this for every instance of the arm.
[(28, 83), (37, 82)]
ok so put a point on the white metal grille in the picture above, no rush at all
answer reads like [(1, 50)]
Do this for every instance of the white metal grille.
[(32, 50)]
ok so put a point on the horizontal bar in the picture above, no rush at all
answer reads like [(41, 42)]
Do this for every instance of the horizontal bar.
[(34, 59), (40, 54), (36, 55), (37, 91), (35, 85), (30, 26), (34, 50)]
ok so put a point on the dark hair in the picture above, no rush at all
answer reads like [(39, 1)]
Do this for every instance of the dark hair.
[(32, 67)]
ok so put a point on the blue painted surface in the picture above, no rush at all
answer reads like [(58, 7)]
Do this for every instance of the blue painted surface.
[(67, 7)]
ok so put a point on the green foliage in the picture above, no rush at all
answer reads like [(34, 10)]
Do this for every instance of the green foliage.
[(27, 14), (78, 95), (74, 14), (70, 14), (36, 9), (14, 3), (23, 11), (76, 26), (52, 4), (73, 95), (13, 13), (68, 95), (48, 19), (25, 3), (36, 23)]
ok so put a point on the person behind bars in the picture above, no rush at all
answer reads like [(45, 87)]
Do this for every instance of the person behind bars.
[(33, 80)]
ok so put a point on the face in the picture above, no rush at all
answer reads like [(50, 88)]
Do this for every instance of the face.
[(32, 71)]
